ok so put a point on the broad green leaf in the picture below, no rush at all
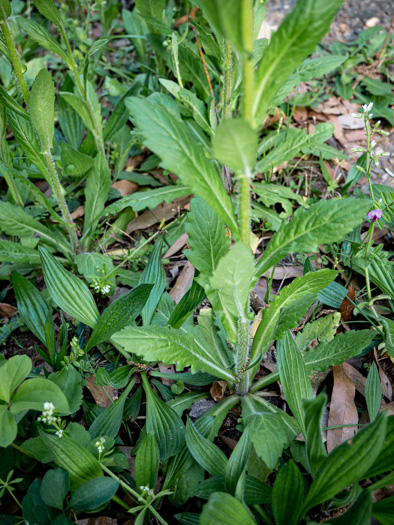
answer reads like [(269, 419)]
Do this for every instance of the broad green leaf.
[(313, 413), (153, 274), (323, 223), (108, 422), (237, 462), (373, 392), (12, 373), (313, 68), (48, 9), (93, 265), (74, 162), (42, 108), (74, 458), (32, 395), (34, 509), (32, 306), (291, 144), (54, 487), (42, 36), (93, 494), (287, 494), (216, 337), (187, 305), (70, 382), (119, 314), (235, 145), (296, 290), (170, 140), (223, 509), (341, 348), (11, 252), (167, 426), (347, 463), (11, 104), (171, 346), (147, 462), (97, 187), (293, 377), (294, 41), (15, 221), (5, 10), (8, 427), (269, 437), (150, 8), (208, 455), (385, 461), (360, 512), (67, 291), (207, 237), (290, 315), (323, 329), (388, 330), (232, 278), (27, 139)]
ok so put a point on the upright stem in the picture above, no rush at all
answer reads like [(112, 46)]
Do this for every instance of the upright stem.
[(58, 190), (242, 352), (228, 77), (97, 133), (15, 60)]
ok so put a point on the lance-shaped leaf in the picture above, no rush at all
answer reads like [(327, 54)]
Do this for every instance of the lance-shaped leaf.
[(225, 509), (310, 283), (97, 187), (5, 9), (170, 139), (235, 145), (42, 36), (42, 108), (232, 278), (237, 462), (208, 455), (323, 223), (147, 462), (347, 463), (186, 306), (48, 9), (153, 274), (119, 314), (171, 346), (164, 422), (11, 104), (68, 292), (287, 494), (373, 392), (313, 413), (294, 41), (293, 377)]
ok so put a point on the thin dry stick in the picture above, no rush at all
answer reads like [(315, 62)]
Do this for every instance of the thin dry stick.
[(227, 173)]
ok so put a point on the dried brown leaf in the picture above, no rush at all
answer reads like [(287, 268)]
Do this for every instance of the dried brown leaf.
[(7, 310), (183, 282), (217, 390), (101, 394)]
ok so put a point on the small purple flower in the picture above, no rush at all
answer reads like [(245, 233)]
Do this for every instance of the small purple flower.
[(374, 215)]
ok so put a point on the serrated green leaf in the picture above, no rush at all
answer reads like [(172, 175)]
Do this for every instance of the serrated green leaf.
[(323, 223), (347, 463), (42, 108), (299, 288), (323, 329), (208, 455), (287, 494), (165, 423), (151, 198), (294, 41), (313, 68), (68, 292), (171, 346), (373, 392), (11, 252), (170, 140), (232, 278), (293, 377), (43, 37), (48, 9), (235, 145), (119, 314), (269, 437)]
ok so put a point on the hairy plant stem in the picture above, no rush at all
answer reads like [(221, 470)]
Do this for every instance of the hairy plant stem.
[(242, 352), (228, 78), (96, 133), (16, 63), (58, 191)]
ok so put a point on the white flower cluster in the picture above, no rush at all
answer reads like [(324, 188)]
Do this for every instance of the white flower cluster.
[(100, 445), (100, 288), (47, 414), (59, 433), (146, 490)]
